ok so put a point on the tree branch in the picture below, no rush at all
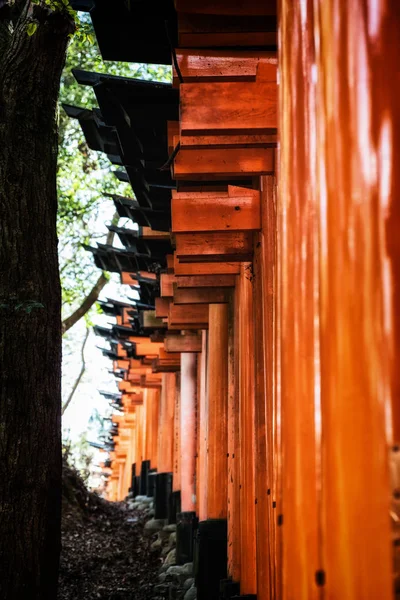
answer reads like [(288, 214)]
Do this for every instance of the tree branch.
[(78, 379), (94, 294)]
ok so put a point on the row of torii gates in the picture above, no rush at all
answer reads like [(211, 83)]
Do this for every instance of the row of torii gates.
[(259, 390)]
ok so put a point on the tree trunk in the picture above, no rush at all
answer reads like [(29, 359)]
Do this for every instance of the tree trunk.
[(30, 305)]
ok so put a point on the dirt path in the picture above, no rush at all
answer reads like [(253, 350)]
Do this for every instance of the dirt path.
[(104, 553)]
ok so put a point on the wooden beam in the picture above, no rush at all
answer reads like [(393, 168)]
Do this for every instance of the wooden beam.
[(166, 285), (210, 163), (214, 246), (162, 307), (193, 316), (239, 211), (226, 110), (147, 348), (202, 281), (152, 234), (212, 295), (223, 142), (187, 342), (223, 65), (222, 268), (128, 278)]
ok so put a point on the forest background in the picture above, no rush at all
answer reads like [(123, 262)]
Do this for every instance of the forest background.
[(84, 178)]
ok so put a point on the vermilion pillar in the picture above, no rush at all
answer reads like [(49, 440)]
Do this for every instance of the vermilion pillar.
[(188, 428), (176, 482), (217, 412), (245, 381), (203, 430), (166, 424), (339, 189), (233, 490)]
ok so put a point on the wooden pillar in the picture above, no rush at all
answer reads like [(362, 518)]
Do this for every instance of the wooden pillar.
[(203, 430), (233, 490), (217, 412), (176, 481), (139, 438), (166, 424), (120, 488), (339, 139), (245, 380), (188, 426), (147, 400), (154, 399), (264, 298)]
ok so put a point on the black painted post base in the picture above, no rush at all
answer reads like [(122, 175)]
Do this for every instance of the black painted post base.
[(229, 589), (163, 491), (151, 482), (174, 506), (132, 489), (210, 560), (186, 525), (143, 477)]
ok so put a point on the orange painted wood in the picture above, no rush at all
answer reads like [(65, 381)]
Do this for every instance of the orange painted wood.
[(152, 234), (176, 479), (233, 486), (231, 108), (193, 316), (136, 339), (188, 429), (154, 398), (173, 130), (147, 275), (128, 278), (139, 438), (166, 424), (170, 264), (223, 142), (211, 163), (211, 295), (166, 284), (162, 307), (223, 65), (148, 348), (202, 425), (225, 268), (263, 322), (121, 364), (217, 385), (218, 213), (202, 281), (301, 484), (183, 343), (214, 246), (348, 189), (245, 341)]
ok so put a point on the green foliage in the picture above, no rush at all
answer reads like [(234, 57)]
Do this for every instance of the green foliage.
[(83, 175)]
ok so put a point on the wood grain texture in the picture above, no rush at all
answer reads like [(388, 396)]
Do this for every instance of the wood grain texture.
[(228, 108)]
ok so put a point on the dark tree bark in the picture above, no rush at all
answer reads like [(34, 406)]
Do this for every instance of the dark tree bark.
[(30, 300)]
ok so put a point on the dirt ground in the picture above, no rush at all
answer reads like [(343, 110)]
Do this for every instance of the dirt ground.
[(104, 553)]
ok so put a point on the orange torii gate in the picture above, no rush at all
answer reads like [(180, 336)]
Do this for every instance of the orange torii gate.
[(265, 403)]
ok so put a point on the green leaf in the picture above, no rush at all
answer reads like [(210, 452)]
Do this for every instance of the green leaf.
[(30, 30)]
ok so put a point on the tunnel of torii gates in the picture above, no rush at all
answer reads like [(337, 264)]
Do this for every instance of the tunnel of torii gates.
[(259, 390)]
